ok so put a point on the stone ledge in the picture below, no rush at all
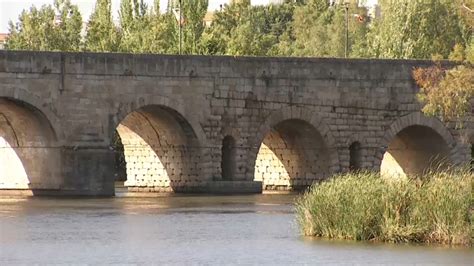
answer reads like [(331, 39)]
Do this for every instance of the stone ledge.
[(209, 187), (233, 187), (55, 193)]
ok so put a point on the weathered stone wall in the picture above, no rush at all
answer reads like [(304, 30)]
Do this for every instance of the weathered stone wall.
[(85, 97)]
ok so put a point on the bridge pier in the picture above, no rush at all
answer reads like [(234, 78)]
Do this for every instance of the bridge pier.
[(87, 171)]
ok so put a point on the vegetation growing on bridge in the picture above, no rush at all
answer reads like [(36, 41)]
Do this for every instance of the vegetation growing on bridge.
[(433, 208), (447, 93)]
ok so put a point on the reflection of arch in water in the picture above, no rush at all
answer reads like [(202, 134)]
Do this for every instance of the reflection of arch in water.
[(28, 156), (415, 144), (292, 155), (161, 150)]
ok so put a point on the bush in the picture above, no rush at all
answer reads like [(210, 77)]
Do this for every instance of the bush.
[(433, 208)]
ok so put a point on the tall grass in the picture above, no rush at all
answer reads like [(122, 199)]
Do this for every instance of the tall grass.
[(432, 208)]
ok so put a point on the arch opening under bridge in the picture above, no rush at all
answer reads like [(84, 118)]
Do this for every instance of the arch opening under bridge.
[(292, 155), (29, 154), (415, 150), (160, 150)]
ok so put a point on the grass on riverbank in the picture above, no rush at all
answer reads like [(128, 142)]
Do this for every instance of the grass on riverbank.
[(433, 208)]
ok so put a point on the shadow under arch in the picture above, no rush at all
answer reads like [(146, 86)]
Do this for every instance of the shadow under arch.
[(29, 154), (296, 149), (161, 149), (414, 144)]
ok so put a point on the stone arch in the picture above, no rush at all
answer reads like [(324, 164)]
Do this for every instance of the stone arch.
[(240, 153), (25, 96), (162, 149), (28, 143), (363, 152), (125, 109), (423, 141), (299, 132)]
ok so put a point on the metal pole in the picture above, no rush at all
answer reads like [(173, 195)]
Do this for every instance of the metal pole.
[(347, 30), (180, 28)]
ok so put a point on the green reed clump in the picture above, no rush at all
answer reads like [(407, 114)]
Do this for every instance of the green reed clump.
[(432, 208)]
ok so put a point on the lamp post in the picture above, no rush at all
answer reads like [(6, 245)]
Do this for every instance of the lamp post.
[(346, 8), (180, 27), (177, 12)]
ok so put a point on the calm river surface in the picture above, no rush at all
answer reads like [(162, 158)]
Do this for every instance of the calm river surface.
[(185, 230)]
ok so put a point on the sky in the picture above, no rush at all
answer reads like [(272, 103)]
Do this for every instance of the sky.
[(11, 9)]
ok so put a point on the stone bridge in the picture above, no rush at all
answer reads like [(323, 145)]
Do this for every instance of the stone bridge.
[(72, 123)]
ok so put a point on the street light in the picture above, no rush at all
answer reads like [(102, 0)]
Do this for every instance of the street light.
[(346, 8), (179, 17), (344, 5)]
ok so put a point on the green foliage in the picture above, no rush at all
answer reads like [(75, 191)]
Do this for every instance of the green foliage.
[(50, 28), (365, 206), (470, 52), (294, 28), (457, 54), (102, 34), (145, 30), (320, 30), (193, 12), (445, 93), (161, 37), (241, 29), (407, 29)]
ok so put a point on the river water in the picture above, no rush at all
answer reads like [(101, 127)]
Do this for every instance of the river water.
[(218, 230)]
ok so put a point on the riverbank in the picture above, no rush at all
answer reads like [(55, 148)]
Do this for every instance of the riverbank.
[(433, 208)]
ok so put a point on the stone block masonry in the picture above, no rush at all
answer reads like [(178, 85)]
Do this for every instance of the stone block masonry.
[(210, 124)]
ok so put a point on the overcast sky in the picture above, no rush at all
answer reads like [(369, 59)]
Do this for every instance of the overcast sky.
[(11, 9)]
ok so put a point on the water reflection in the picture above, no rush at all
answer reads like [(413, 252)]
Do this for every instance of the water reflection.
[(180, 230)]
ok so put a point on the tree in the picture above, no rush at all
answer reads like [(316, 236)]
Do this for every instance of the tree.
[(50, 28), (258, 32), (193, 13), (146, 30), (162, 35), (449, 93), (134, 25), (446, 93), (241, 29), (406, 29), (217, 36), (102, 34), (319, 29), (247, 39)]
